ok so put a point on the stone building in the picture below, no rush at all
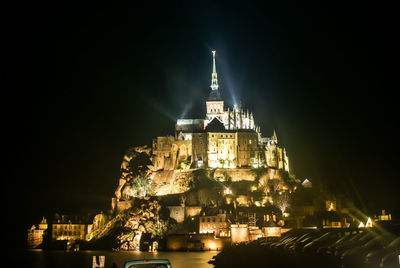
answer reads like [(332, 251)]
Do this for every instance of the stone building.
[(225, 138), (226, 141), (66, 229), (36, 235), (216, 224), (69, 231)]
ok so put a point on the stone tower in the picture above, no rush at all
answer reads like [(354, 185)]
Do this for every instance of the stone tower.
[(214, 103)]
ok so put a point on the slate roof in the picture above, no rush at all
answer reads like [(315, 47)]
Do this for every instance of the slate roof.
[(214, 96), (215, 126)]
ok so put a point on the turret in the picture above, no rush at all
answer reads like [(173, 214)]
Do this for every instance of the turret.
[(275, 137)]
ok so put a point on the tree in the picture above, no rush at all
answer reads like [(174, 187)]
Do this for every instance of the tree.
[(200, 180), (140, 186), (209, 196), (258, 173), (282, 201)]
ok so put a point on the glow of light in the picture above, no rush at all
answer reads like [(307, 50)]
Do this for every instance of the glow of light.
[(285, 214), (227, 191), (162, 192), (187, 107), (229, 83), (361, 225), (213, 164), (212, 246), (160, 108), (212, 157), (368, 224)]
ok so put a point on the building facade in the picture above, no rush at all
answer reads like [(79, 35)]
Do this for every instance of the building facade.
[(70, 228), (215, 224), (36, 235), (69, 231)]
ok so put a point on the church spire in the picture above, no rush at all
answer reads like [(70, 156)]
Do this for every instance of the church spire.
[(275, 137), (214, 78)]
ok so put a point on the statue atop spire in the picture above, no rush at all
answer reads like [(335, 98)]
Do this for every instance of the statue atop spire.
[(214, 77)]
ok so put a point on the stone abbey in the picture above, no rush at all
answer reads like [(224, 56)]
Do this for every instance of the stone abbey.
[(225, 138), (226, 142)]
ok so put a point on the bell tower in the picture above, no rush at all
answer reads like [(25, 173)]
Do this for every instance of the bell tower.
[(214, 103)]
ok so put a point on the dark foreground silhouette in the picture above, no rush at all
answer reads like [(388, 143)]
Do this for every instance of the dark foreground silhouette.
[(312, 248)]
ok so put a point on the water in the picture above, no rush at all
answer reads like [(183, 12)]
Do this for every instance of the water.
[(60, 259)]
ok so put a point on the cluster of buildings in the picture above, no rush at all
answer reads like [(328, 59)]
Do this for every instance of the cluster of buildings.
[(225, 138), (227, 141), (62, 229), (220, 227)]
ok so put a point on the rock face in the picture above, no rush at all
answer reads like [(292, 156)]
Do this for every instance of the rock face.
[(171, 181), (99, 221), (137, 170), (125, 230)]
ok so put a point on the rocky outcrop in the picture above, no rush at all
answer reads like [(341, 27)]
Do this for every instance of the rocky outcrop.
[(124, 230)]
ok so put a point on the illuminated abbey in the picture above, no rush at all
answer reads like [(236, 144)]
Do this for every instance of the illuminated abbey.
[(225, 138), (225, 143)]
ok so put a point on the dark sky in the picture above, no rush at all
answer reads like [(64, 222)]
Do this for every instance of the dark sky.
[(88, 81)]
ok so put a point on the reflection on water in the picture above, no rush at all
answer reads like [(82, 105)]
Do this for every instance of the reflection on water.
[(36, 258)]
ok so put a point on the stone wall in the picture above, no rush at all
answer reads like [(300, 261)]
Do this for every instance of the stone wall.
[(239, 233), (237, 174), (177, 213), (197, 242), (123, 205), (171, 181), (192, 211), (177, 181)]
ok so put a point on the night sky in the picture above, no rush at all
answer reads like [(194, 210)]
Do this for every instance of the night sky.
[(88, 81)]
